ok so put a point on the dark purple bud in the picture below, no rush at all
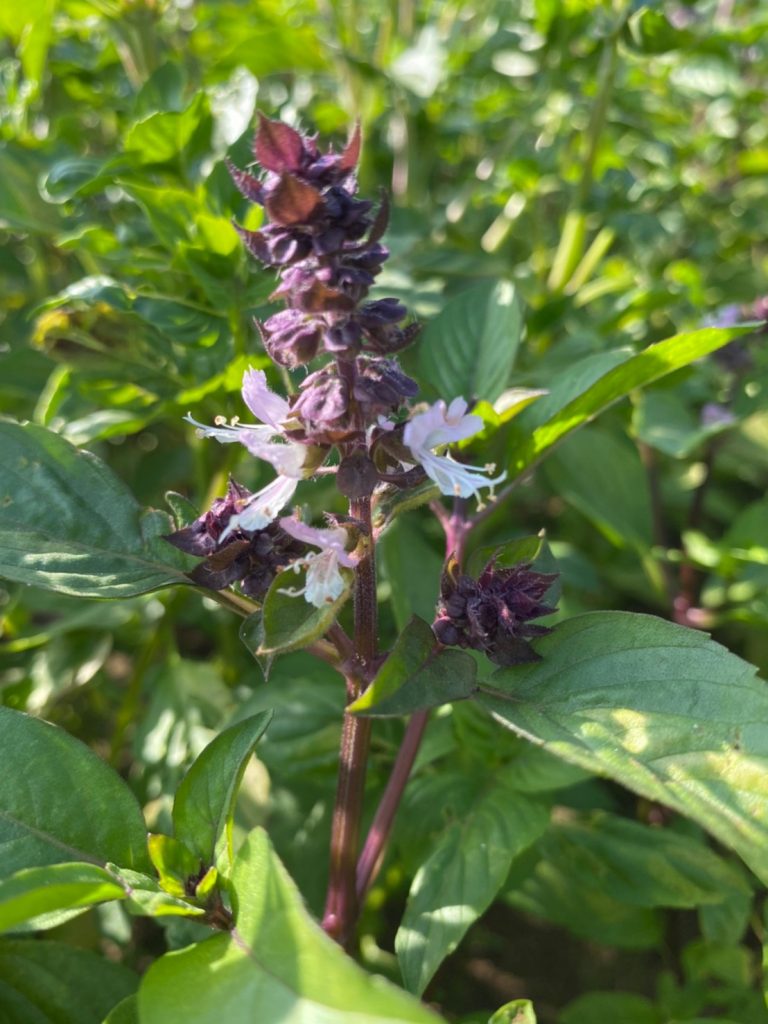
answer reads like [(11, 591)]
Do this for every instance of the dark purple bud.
[(381, 312), (323, 403), (307, 291), (343, 336), (286, 246), (250, 558), (378, 321), (277, 146), (368, 257), (356, 476), (329, 241), (256, 243), (493, 613), (202, 537), (290, 337), (381, 386), (446, 632)]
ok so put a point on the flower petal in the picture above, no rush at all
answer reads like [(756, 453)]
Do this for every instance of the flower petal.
[(265, 405), (331, 539), (263, 507), (324, 580), (456, 479), (288, 459), (439, 425)]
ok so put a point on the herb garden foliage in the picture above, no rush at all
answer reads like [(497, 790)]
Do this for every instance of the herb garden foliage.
[(405, 656)]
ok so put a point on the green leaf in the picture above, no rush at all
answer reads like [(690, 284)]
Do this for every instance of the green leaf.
[(651, 364), (290, 622), (50, 983), (33, 48), (726, 922), (519, 1011), (394, 502), (145, 898), (68, 524), (469, 348), (174, 863), (462, 875), (126, 1012), (277, 964), (521, 549), (66, 805), (163, 135), (642, 866), (657, 707), (417, 674), (662, 420), (601, 1007), (402, 546), (600, 473), (21, 205), (74, 887), (205, 801), (543, 885), (170, 211)]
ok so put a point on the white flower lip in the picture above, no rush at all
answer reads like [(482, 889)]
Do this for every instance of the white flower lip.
[(263, 507), (324, 582), (441, 425), (267, 440)]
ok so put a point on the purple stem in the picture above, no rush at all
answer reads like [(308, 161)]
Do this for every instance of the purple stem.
[(341, 906), (457, 530), (375, 844)]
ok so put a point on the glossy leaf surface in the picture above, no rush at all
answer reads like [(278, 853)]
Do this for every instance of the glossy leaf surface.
[(204, 803), (657, 707), (72, 807), (418, 674), (68, 524), (462, 876), (276, 964)]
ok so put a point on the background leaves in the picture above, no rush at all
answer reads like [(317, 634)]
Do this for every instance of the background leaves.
[(607, 165)]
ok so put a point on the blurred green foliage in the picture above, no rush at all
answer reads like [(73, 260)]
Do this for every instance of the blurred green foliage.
[(611, 160)]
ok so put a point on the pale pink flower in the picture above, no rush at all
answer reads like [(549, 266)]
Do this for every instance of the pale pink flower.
[(442, 425), (268, 440), (324, 581)]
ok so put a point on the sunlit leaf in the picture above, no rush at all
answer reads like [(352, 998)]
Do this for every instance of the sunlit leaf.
[(276, 964), (657, 707)]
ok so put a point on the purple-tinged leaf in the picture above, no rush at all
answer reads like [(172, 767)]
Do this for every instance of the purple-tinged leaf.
[(381, 220), (277, 146), (255, 243), (292, 201), (246, 184), (351, 152)]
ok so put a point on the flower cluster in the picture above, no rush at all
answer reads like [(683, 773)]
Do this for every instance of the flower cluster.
[(250, 557), (325, 244), (493, 613)]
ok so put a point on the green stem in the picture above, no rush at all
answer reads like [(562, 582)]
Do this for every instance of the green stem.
[(573, 237)]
